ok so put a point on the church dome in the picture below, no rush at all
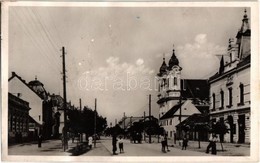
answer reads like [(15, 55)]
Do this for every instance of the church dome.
[(174, 60), (35, 83), (163, 68), (38, 87)]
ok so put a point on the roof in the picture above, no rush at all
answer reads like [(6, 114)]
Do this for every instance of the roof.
[(203, 108), (24, 82), (31, 120), (194, 119), (172, 111), (195, 88), (241, 64), (18, 101)]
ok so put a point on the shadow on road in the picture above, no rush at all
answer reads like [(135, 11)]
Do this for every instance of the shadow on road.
[(79, 149)]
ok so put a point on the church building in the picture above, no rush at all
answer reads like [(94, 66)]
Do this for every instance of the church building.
[(179, 98)]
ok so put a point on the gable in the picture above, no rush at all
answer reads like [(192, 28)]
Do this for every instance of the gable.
[(15, 86), (187, 108)]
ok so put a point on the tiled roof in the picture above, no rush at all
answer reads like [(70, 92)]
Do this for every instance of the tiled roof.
[(194, 119), (172, 111), (195, 88)]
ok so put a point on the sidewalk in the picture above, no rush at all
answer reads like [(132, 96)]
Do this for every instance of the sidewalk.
[(49, 147), (230, 149)]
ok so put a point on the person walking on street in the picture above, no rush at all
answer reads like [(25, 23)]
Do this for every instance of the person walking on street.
[(40, 141), (121, 145), (114, 140), (162, 143), (166, 142), (212, 144), (90, 141), (184, 143)]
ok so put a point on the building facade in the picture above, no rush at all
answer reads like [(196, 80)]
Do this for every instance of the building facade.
[(18, 119), (230, 88)]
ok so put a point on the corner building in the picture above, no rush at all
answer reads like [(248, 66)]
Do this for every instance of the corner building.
[(230, 88)]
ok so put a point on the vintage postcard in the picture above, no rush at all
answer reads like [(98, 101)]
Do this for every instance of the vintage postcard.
[(130, 81)]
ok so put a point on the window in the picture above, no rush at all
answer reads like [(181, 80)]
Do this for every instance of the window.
[(170, 122), (230, 96), (174, 81), (222, 99), (213, 101), (241, 94)]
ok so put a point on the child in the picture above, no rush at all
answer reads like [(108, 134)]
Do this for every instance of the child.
[(90, 139), (121, 145)]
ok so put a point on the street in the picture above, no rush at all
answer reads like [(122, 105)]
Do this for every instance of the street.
[(103, 148)]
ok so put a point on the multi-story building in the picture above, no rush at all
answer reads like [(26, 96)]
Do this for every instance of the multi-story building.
[(18, 119), (179, 98), (230, 88)]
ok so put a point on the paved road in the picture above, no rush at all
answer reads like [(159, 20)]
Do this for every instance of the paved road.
[(146, 149), (104, 148)]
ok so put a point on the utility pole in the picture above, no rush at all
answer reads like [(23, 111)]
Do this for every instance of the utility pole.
[(95, 122), (65, 142), (150, 139), (180, 132), (144, 127), (124, 120), (80, 104), (124, 124)]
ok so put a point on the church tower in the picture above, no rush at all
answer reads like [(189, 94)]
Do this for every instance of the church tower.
[(243, 38), (169, 79)]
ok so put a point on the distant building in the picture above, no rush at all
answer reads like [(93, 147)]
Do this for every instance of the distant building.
[(18, 119), (179, 98), (230, 88)]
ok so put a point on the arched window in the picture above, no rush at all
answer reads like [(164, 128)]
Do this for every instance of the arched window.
[(213, 101), (230, 96), (222, 99), (174, 81), (241, 94)]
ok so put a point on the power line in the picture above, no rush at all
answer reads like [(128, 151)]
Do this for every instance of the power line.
[(35, 43), (49, 41), (39, 44)]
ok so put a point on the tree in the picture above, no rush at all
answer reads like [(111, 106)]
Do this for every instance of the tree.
[(83, 121)]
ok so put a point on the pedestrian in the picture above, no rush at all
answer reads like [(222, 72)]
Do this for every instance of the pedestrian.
[(184, 143), (212, 144), (90, 141), (40, 141), (114, 140), (162, 143), (166, 142), (121, 145)]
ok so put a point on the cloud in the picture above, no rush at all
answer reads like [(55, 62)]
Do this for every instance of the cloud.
[(201, 38), (198, 58), (139, 61)]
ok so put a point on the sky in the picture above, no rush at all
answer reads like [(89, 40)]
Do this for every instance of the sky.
[(114, 53)]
